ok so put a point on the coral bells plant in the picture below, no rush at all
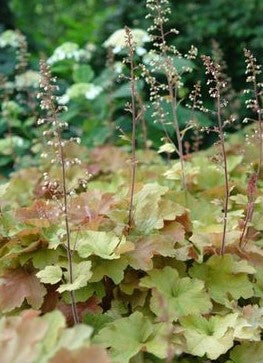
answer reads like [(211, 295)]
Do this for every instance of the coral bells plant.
[(153, 262), (216, 85), (131, 107), (54, 133), (254, 103), (162, 60)]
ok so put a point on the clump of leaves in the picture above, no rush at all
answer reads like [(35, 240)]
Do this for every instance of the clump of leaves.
[(174, 286)]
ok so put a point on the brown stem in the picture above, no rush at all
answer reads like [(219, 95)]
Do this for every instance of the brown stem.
[(222, 141), (65, 211), (133, 157), (143, 121)]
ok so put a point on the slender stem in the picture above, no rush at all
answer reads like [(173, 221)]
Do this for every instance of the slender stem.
[(65, 211), (178, 134), (222, 141), (143, 122), (69, 253), (133, 157)]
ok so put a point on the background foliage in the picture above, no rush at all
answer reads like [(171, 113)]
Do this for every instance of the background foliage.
[(232, 25)]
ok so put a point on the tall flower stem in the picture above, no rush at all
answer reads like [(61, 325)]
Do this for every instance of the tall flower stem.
[(253, 70), (52, 110), (222, 143), (173, 99), (68, 239), (132, 108), (217, 84)]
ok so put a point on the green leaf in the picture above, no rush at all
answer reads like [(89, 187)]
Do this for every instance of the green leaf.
[(212, 337), (128, 336), (82, 274), (233, 161), (104, 244), (97, 321), (148, 211), (247, 352), (124, 90), (82, 73), (182, 296), (111, 268), (44, 257), (56, 324), (50, 274), (74, 337), (226, 278), (134, 330), (58, 336)]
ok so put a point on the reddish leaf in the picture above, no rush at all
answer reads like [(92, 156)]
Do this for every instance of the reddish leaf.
[(93, 354), (51, 299), (90, 306), (20, 336), (109, 158), (18, 285), (174, 230), (90, 208), (40, 214), (185, 220), (147, 247)]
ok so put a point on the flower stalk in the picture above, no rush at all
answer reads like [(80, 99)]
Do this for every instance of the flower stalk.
[(48, 103), (217, 84)]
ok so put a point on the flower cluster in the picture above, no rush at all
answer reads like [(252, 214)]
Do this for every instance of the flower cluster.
[(28, 79), (252, 72), (79, 90), (53, 134), (196, 99), (70, 50), (117, 41), (215, 82), (9, 38), (159, 11)]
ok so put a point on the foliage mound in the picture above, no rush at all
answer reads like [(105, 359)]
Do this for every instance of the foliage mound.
[(157, 291)]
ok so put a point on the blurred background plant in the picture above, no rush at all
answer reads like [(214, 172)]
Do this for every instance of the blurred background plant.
[(84, 45)]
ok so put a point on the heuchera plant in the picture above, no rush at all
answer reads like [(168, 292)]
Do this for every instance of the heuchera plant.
[(97, 265)]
